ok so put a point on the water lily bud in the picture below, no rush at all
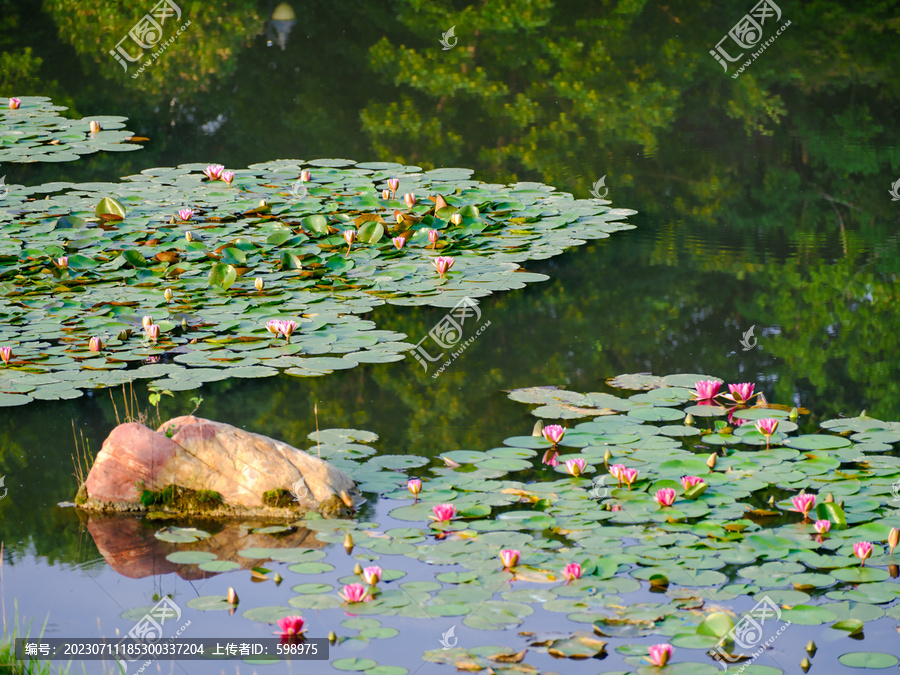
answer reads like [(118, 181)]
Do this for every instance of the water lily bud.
[(357, 569), (263, 203), (538, 429), (794, 414), (689, 420), (348, 544), (184, 324), (811, 647), (385, 194), (232, 596), (260, 284), (894, 571), (96, 344), (147, 321), (829, 497), (863, 414), (277, 579), (711, 461), (189, 236), (456, 218), (95, 126), (771, 501), (805, 664), (168, 295), (332, 638), (409, 199), (893, 539), (399, 218), (607, 456), (305, 175)]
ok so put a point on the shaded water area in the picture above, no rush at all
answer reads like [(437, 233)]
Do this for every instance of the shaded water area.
[(763, 202)]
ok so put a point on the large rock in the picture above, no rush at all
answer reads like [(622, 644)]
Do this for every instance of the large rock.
[(198, 454)]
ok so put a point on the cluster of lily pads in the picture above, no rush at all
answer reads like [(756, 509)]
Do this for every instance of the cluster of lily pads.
[(32, 130), (213, 257), (536, 522)]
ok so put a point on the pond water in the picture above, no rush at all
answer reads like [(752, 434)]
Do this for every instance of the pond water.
[(763, 203)]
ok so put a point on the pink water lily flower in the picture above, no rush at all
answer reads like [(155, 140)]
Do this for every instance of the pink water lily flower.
[(291, 626), (576, 466), (629, 476), (690, 481), (665, 497), (153, 331), (433, 236), (14, 103), (95, 126), (551, 458), (443, 512), (706, 390), (616, 472), (509, 558), (415, 486), (228, 176), (287, 328), (305, 176), (185, 214), (63, 261), (96, 344), (409, 199), (372, 575), (767, 427), (214, 171), (804, 503), (862, 550), (571, 572), (553, 433), (822, 526), (5, 354), (273, 326), (398, 242), (354, 593), (660, 654), (442, 264), (393, 184), (740, 393)]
